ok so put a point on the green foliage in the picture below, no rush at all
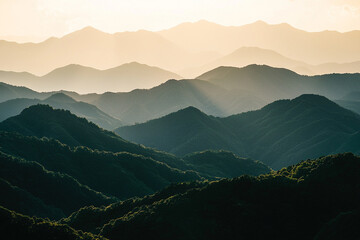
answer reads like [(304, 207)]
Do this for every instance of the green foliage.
[(296, 202), (17, 226), (224, 164), (33, 185), (122, 174), (44, 121)]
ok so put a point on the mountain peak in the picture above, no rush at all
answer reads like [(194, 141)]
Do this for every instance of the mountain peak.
[(61, 97)]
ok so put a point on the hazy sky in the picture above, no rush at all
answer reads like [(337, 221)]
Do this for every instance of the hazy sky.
[(44, 18)]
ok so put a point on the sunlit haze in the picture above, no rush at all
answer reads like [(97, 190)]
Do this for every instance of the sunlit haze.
[(35, 20)]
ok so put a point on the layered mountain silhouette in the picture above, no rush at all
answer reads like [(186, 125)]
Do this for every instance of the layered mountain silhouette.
[(93, 48), (71, 158), (60, 101), (188, 45), (271, 83), (310, 47), (245, 56), (143, 105), (320, 193), (280, 134), (89, 80)]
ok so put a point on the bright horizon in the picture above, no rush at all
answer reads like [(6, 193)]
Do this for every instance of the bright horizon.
[(36, 20)]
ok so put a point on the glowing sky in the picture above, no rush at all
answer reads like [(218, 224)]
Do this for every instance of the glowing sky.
[(36, 19)]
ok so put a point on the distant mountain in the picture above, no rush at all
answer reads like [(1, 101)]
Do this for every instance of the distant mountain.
[(245, 56), (11, 92), (61, 195), (89, 80), (280, 134), (310, 47), (96, 49), (61, 101), (320, 193), (277, 83), (143, 105)]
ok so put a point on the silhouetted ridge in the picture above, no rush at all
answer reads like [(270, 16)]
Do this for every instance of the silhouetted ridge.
[(60, 97)]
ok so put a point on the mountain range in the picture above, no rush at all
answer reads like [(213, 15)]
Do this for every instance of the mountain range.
[(271, 84), (45, 150), (89, 80), (220, 92), (60, 101), (280, 134), (245, 56), (185, 47)]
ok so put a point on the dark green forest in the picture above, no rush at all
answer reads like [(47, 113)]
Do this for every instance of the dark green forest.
[(315, 199), (63, 177)]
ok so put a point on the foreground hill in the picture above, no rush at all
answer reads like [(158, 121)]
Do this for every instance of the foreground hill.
[(280, 134), (276, 83), (44, 121), (68, 175), (18, 226), (89, 80), (311, 200), (29, 188), (61, 101)]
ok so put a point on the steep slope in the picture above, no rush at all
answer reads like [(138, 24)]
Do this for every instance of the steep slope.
[(276, 83), (315, 191), (89, 80), (44, 121), (185, 131), (224, 164), (143, 105), (18, 226), (310, 47), (8, 92), (61, 101), (280, 134), (24, 190)]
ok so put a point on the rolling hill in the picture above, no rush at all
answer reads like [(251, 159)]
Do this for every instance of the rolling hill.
[(272, 84), (279, 134), (314, 199), (24, 190), (90, 80), (14, 107), (18, 226)]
